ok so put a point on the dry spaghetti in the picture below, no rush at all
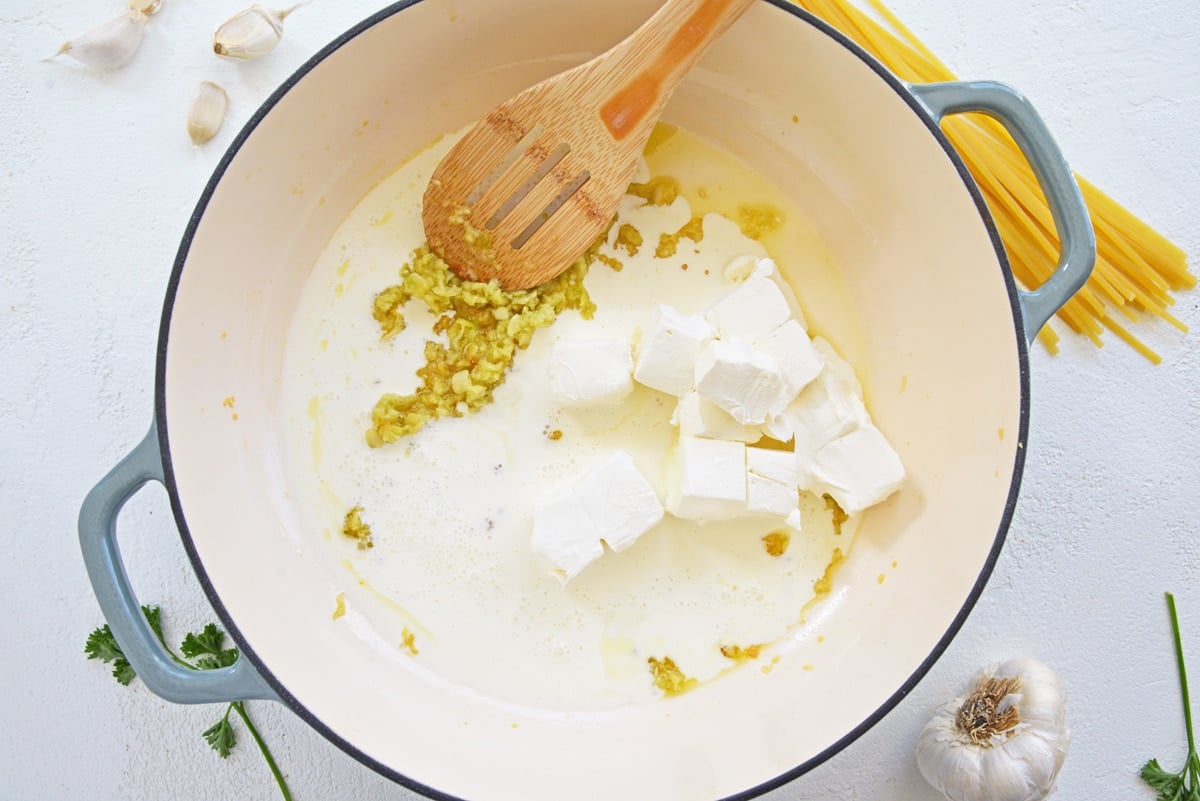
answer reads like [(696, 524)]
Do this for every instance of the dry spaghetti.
[(1137, 268)]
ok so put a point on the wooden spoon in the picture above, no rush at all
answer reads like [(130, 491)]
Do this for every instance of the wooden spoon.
[(538, 179)]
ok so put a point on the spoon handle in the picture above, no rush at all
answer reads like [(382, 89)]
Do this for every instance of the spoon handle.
[(644, 69)]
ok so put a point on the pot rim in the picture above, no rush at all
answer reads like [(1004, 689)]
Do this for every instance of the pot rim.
[(298, 708)]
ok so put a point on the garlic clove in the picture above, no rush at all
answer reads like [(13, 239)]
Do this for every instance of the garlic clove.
[(147, 7), (109, 46), (206, 112), (251, 33)]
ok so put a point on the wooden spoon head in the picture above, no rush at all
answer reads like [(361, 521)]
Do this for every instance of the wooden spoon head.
[(525, 193)]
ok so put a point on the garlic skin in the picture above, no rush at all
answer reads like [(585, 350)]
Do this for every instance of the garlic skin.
[(251, 33), (207, 112), (1004, 740), (111, 45)]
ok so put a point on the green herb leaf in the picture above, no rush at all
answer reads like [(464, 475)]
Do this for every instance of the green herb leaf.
[(1184, 785), (208, 641), (102, 645), (223, 659), (220, 736), (206, 651), (1167, 784), (154, 618)]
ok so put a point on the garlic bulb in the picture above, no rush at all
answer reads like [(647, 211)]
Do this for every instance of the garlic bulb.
[(250, 34), (1005, 740), (207, 112), (112, 45)]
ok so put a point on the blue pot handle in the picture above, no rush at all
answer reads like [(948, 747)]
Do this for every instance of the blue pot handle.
[(1011, 109), (98, 539)]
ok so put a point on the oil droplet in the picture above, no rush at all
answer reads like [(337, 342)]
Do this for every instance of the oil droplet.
[(340, 608), (904, 382), (1000, 433), (795, 118), (882, 578)]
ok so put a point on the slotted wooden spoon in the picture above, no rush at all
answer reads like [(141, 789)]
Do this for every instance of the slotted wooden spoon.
[(538, 179)]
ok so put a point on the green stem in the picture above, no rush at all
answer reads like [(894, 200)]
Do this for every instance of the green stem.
[(1183, 682), (266, 752)]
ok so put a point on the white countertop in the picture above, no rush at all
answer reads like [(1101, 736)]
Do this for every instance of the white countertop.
[(97, 180)]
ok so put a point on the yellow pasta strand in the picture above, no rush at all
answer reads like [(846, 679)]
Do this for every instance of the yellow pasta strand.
[(1137, 268)]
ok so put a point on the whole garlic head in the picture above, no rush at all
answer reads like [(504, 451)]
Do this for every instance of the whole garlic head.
[(1005, 740)]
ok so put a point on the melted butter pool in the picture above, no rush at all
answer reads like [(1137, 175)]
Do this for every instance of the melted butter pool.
[(451, 507)]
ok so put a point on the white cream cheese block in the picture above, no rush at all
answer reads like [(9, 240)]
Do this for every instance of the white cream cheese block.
[(611, 503), (697, 417), (752, 310), (587, 371), (858, 470), (706, 479), (743, 381), (668, 349)]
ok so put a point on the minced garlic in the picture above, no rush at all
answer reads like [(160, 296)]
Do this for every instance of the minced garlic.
[(354, 528), (693, 229), (629, 238), (485, 325), (739, 654), (839, 514), (659, 191), (408, 642), (756, 220), (777, 542), (824, 584), (669, 678)]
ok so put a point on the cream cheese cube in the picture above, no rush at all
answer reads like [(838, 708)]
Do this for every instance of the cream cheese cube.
[(584, 371), (743, 267), (858, 470), (698, 417), (771, 484), (611, 503), (668, 350), (799, 362), (707, 479), (743, 381), (778, 466), (767, 497), (753, 309), (564, 537), (826, 409)]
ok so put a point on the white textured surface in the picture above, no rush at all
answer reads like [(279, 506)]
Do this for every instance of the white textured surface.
[(97, 180)]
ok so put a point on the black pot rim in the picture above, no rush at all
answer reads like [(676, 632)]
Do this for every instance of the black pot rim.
[(295, 705)]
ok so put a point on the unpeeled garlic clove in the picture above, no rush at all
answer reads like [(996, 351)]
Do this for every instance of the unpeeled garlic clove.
[(109, 46), (147, 7), (251, 34), (207, 112)]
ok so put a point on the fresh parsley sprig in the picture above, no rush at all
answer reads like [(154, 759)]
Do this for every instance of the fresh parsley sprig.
[(206, 648), (1184, 785)]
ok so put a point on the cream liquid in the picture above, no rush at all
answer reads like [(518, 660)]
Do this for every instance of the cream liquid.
[(451, 506)]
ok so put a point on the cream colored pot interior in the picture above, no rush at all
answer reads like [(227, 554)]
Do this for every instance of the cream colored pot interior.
[(938, 355)]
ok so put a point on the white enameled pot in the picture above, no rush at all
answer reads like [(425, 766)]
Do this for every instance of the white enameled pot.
[(944, 332)]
